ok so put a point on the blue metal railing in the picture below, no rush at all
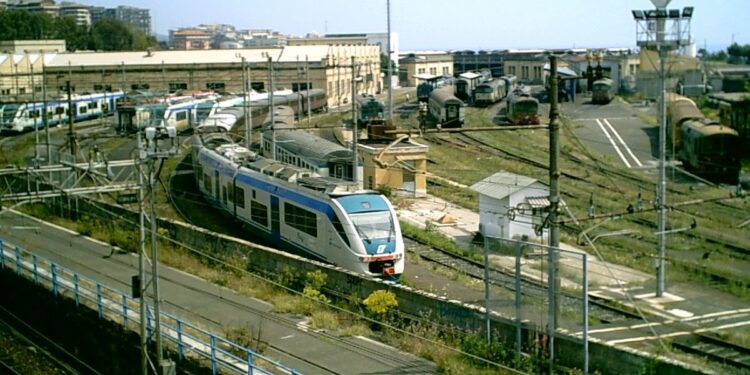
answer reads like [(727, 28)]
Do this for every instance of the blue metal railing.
[(190, 340)]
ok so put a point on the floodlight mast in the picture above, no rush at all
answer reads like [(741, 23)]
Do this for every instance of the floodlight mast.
[(664, 41)]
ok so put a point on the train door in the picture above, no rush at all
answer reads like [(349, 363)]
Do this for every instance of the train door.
[(275, 224)]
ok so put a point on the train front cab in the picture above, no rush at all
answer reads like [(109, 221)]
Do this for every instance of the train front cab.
[(370, 228)]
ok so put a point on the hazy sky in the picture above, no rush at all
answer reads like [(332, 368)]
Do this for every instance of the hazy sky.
[(455, 24)]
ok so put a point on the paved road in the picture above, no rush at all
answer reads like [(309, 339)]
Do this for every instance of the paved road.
[(616, 130), (197, 300)]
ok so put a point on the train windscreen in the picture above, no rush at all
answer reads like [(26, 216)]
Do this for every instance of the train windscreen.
[(9, 112), (374, 225), (526, 106)]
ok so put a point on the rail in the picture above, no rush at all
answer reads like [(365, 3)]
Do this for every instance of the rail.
[(223, 356)]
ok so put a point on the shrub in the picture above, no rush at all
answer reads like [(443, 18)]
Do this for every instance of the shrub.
[(381, 303)]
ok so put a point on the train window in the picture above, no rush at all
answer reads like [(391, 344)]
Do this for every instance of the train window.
[(207, 182), (59, 110), (259, 213), (339, 229), (5, 92), (174, 86), (140, 86), (224, 195), (215, 85), (181, 116), (257, 86), (230, 193), (239, 196), (82, 110), (92, 105), (98, 87), (301, 219), (253, 193)]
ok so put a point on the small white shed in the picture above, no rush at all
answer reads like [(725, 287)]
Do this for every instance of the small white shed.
[(511, 205)]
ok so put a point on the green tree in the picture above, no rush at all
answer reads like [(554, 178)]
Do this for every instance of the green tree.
[(110, 35), (21, 25), (76, 37), (384, 64)]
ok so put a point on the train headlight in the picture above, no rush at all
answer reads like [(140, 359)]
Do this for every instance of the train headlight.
[(171, 132)]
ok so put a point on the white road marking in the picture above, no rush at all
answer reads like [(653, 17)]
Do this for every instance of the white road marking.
[(716, 316), (680, 333), (612, 141), (622, 142)]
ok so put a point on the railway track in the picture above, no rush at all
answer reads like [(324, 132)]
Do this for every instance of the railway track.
[(531, 287), (716, 350)]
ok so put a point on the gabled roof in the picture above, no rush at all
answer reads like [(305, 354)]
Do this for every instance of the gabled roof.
[(503, 184)]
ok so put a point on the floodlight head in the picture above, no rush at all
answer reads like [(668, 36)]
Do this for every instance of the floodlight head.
[(674, 13), (638, 15), (687, 12), (660, 4)]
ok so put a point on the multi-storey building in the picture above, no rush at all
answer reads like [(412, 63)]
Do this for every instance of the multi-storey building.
[(46, 6), (79, 12), (136, 18)]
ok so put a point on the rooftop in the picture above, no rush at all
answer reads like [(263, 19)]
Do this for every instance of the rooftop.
[(503, 184)]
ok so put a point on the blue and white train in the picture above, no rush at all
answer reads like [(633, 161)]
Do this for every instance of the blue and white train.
[(326, 219), (20, 117)]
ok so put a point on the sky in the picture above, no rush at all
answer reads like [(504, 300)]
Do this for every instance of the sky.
[(452, 24)]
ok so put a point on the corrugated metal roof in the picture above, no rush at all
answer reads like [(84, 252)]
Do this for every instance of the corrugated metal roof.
[(503, 184), (213, 56), (541, 202)]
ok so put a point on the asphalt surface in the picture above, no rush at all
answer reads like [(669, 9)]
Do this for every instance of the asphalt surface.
[(616, 130), (196, 300)]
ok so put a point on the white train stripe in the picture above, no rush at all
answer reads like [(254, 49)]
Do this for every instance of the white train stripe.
[(612, 141), (622, 142)]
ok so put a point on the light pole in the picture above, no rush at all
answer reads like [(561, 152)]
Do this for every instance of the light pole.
[(663, 30), (355, 129), (390, 69)]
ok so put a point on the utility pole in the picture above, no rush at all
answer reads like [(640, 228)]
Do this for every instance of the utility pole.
[(299, 94), (141, 259), (149, 156), (34, 113), (355, 130), (388, 76), (307, 79), (554, 201), (271, 109), (246, 99), (45, 120), (71, 134)]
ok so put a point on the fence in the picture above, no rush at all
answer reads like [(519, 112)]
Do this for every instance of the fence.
[(222, 355)]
